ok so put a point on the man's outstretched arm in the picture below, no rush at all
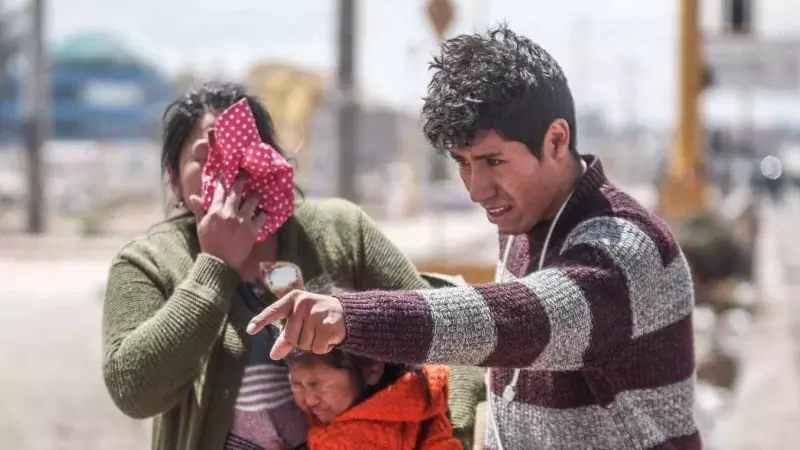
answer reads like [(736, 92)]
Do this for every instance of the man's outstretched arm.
[(609, 285)]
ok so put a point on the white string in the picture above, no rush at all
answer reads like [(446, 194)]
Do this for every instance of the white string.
[(510, 390)]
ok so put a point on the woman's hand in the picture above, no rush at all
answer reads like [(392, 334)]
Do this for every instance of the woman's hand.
[(228, 230)]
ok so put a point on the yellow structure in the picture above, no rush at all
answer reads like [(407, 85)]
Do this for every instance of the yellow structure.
[(684, 189), (440, 13), (292, 95)]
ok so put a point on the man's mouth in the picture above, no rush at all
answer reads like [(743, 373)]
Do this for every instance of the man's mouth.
[(496, 213), (498, 210)]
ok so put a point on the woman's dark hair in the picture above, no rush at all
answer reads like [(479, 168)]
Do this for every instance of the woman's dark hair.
[(501, 82), (182, 114), (355, 365)]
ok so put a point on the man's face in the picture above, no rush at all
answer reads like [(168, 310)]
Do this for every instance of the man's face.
[(514, 187)]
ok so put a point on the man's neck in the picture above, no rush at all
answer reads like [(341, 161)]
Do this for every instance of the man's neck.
[(563, 192)]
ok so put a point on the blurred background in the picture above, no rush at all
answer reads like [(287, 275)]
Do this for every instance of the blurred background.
[(692, 104)]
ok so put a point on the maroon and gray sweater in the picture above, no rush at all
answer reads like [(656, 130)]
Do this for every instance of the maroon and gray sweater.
[(603, 332)]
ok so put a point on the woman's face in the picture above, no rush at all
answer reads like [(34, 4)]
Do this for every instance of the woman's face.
[(188, 181)]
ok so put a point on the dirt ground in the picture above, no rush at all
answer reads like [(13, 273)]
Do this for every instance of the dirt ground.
[(52, 395), (51, 386)]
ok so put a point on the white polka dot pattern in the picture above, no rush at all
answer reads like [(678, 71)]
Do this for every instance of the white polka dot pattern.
[(235, 144)]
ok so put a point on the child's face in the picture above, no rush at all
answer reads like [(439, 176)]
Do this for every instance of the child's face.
[(322, 390)]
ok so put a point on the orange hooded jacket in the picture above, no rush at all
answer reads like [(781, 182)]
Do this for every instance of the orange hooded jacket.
[(391, 419)]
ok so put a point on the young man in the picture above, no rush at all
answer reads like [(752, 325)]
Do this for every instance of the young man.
[(593, 299)]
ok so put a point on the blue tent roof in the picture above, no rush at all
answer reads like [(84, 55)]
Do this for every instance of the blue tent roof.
[(93, 46)]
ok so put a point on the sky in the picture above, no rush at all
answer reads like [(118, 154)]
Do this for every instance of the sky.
[(619, 55)]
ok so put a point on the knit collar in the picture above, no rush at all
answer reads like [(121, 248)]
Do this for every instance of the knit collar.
[(587, 187)]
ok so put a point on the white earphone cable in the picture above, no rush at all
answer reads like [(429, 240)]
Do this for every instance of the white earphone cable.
[(510, 390)]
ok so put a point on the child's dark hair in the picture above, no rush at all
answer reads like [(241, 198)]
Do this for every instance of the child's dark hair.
[(355, 365)]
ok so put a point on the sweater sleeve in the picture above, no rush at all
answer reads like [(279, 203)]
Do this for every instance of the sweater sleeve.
[(607, 285), (383, 266), (154, 346)]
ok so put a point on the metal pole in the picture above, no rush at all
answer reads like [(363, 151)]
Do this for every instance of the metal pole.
[(35, 116), (348, 113)]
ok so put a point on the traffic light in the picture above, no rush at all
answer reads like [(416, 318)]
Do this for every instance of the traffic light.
[(739, 16)]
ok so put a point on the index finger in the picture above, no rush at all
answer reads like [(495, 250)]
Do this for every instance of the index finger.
[(280, 348), (279, 310)]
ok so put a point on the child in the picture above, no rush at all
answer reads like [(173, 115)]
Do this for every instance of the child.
[(353, 402), (358, 403)]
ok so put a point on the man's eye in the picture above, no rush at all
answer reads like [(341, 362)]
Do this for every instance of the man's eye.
[(461, 162), (493, 162)]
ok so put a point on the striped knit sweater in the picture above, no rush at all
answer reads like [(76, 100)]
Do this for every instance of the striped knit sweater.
[(603, 333)]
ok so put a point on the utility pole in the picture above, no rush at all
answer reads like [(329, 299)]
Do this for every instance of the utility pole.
[(348, 112), (35, 115), (7, 43), (684, 188)]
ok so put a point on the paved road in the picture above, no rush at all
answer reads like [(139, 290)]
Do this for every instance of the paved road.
[(767, 411), (53, 396), (51, 385)]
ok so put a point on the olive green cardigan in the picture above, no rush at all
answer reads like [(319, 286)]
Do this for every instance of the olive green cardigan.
[(174, 339)]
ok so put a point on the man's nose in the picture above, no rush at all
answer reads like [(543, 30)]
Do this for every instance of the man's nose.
[(481, 188)]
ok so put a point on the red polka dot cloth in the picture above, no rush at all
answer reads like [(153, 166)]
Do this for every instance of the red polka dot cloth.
[(236, 145)]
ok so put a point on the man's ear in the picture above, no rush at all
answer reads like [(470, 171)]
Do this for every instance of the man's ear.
[(373, 373), (557, 140)]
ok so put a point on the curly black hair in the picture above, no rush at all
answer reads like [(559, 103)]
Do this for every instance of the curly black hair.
[(352, 363), (499, 81)]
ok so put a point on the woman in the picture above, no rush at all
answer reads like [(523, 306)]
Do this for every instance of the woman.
[(179, 298)]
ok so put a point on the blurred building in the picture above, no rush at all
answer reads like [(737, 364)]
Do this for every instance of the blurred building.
[(393, 161), (100, 90), (379, 141), (393, 155)]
